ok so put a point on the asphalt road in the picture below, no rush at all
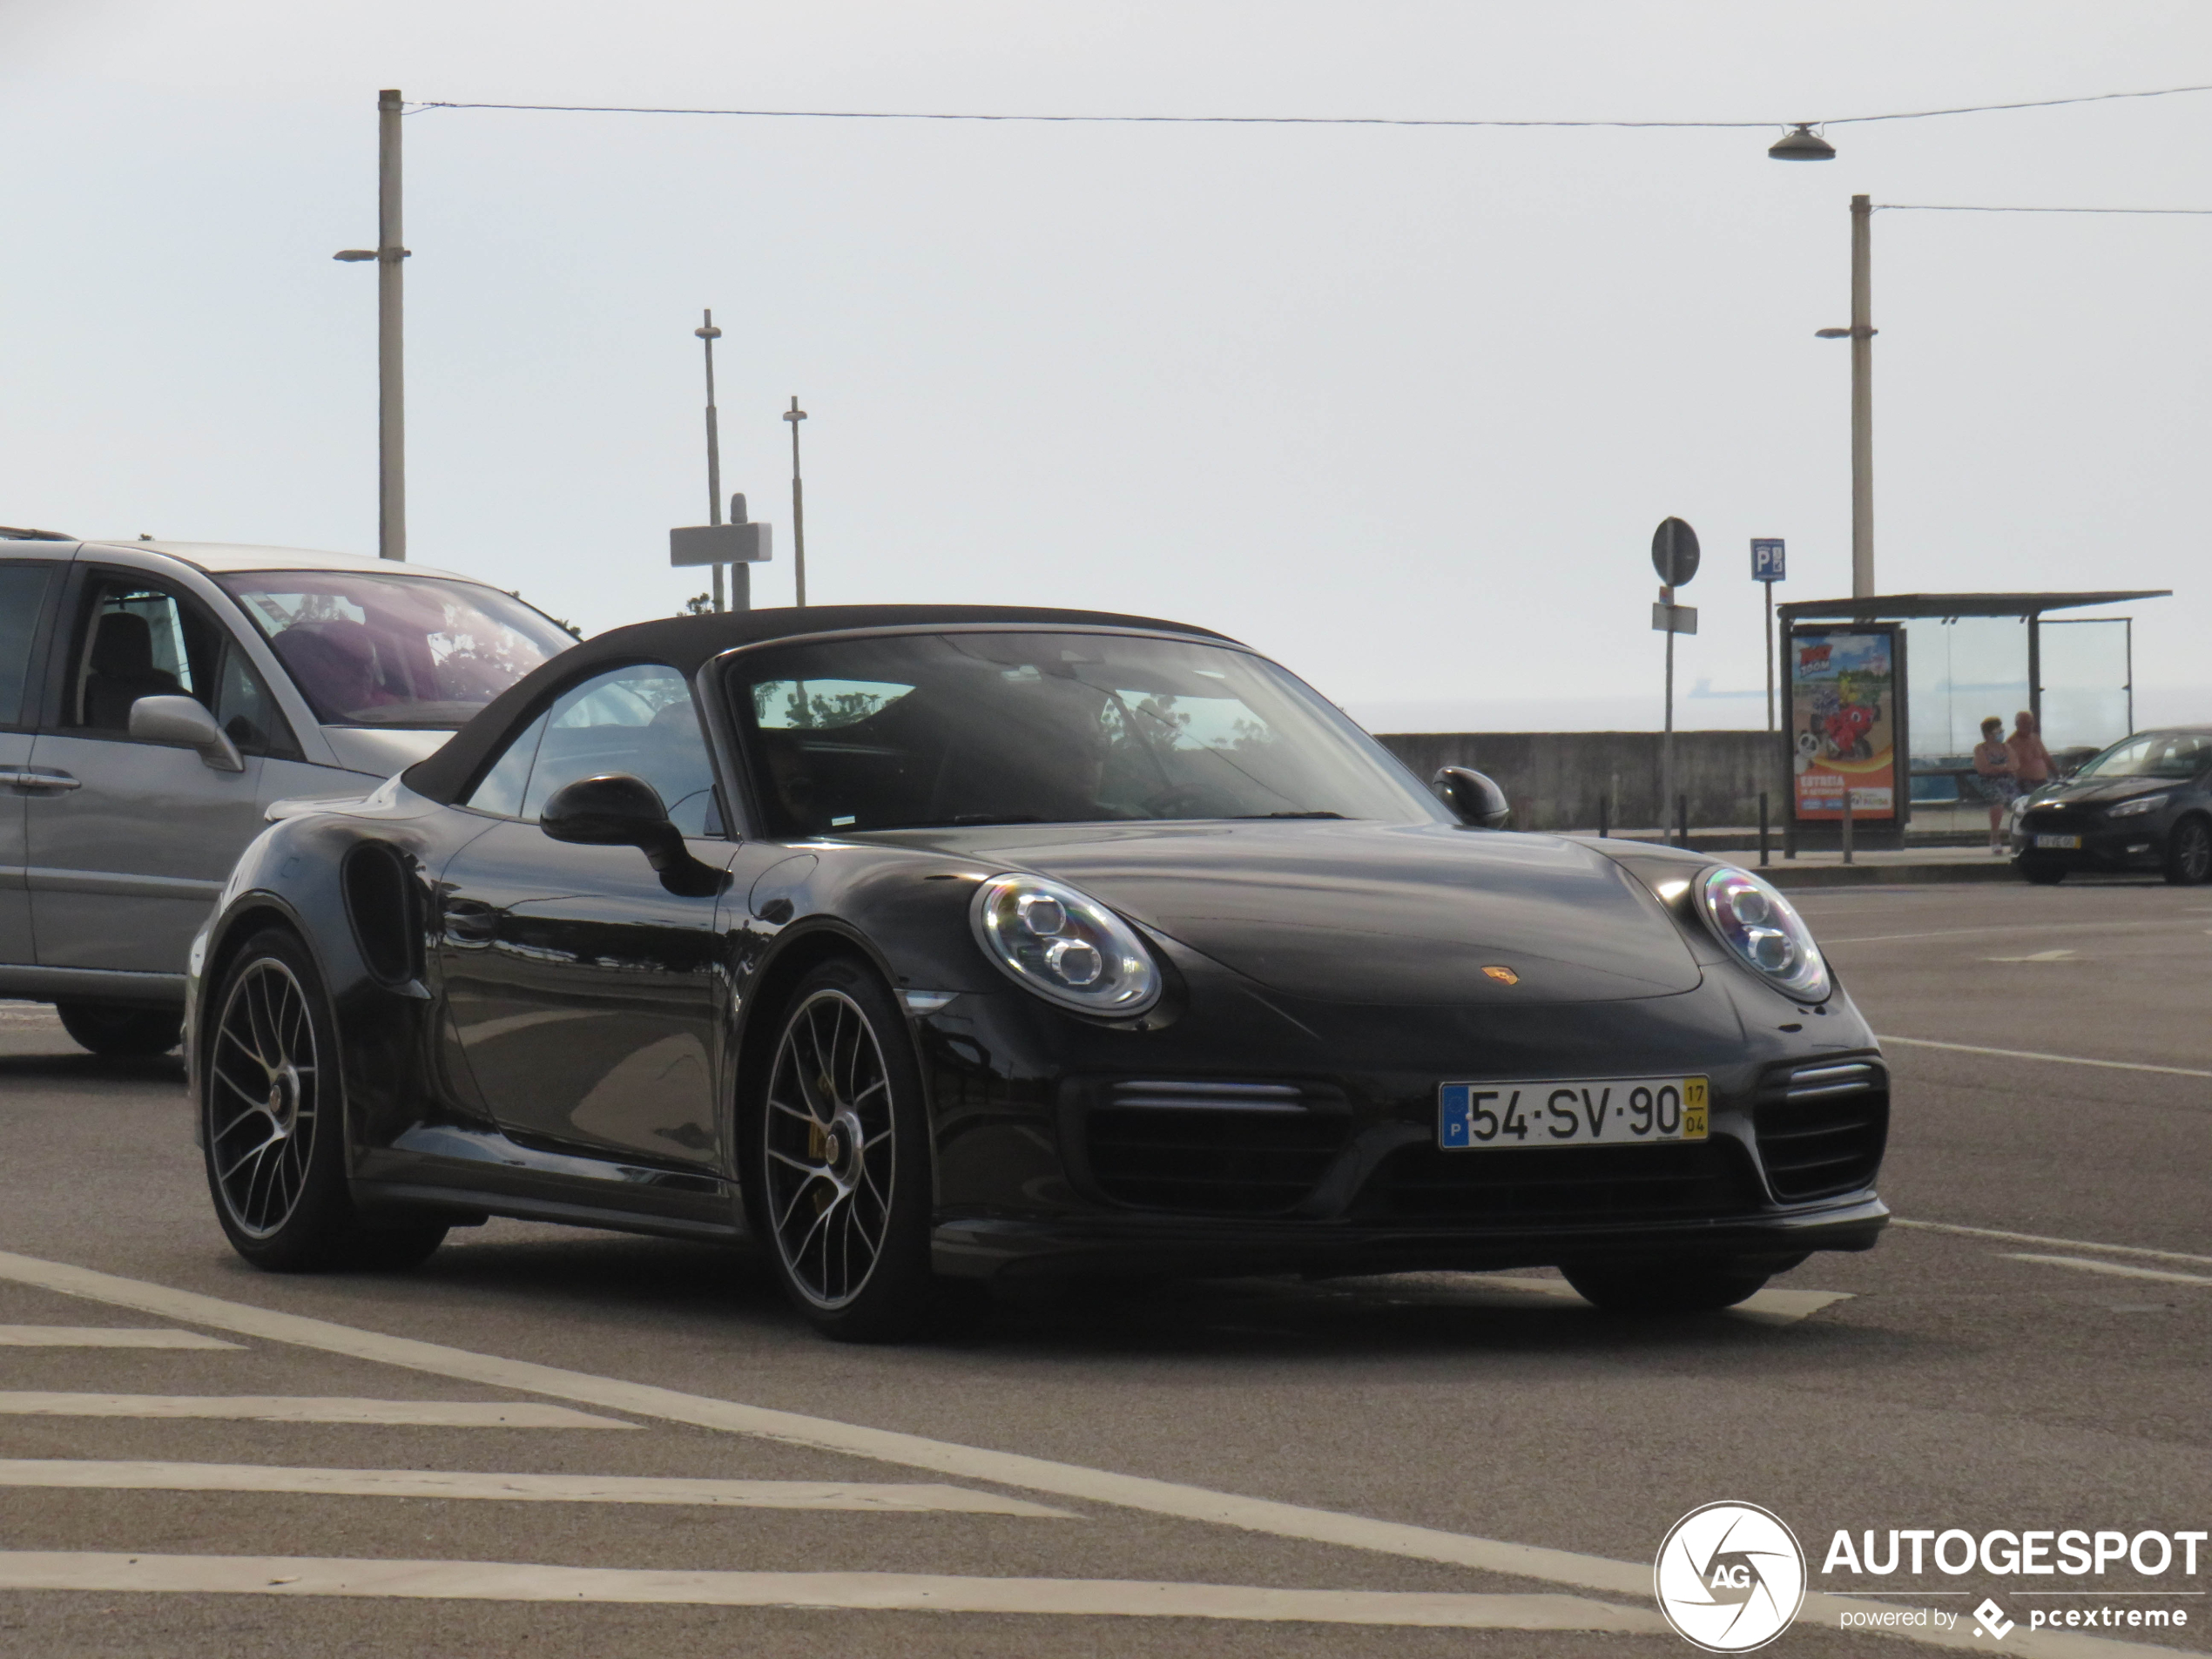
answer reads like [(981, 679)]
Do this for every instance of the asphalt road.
[(1412, 1438)]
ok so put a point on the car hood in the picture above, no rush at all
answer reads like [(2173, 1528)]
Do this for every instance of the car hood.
[(2104, 792), (1363, 912), (382, 751)]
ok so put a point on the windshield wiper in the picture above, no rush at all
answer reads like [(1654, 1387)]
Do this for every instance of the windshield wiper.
[(1245, 815), (966, 820)]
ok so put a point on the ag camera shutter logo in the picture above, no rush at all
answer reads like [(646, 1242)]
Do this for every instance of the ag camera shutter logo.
[(1729, 1577)]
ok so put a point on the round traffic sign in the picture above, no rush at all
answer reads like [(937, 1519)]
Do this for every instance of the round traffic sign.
[(1674, 552)]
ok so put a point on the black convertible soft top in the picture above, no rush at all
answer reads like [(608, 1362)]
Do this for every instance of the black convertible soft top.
[(686, 644)]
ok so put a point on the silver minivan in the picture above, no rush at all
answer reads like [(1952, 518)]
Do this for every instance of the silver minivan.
[(156, 697)]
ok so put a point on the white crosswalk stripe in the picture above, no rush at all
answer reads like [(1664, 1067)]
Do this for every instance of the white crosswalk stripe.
[(920, 1592), (287, 1408), (104, 1336), (915, 1497)]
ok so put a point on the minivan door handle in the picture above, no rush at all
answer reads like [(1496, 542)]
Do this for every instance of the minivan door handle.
[(40, 778)]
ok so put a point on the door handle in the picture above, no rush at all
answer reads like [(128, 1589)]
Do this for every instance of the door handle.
[(469, 921), (28, 778)]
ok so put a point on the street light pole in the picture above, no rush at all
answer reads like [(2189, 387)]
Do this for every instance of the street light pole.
[(1861, 335), (708, 333), (795, 414), (1862, 401), (391, 401)]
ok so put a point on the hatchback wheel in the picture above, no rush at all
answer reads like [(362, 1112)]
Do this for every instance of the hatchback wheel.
[(2042, 871), (1697, 1286), (843, 1179), (272, 1121), (2188, 853), (120, 1031)]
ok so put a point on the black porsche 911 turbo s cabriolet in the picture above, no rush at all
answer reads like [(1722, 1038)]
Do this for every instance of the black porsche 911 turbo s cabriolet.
[(937, 942)]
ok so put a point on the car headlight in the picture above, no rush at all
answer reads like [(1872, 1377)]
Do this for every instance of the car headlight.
[(1760, 927), (2132, 808), (1066, 947)]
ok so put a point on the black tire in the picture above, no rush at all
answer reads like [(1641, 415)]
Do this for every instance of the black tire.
[(1666, 1288), (2188, 852), (840, 1183), (121, 1031), (272, 1121), (2042, 871)]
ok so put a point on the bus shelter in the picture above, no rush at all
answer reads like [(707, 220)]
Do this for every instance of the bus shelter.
[(1883, 698)]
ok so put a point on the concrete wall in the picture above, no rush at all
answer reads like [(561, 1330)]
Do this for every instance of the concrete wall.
[(1557, 779)]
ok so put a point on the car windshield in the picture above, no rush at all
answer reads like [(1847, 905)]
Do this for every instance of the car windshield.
[(926, 729), (376, 650), (2154, 754)]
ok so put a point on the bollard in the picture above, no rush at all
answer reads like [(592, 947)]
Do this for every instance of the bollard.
[(1682, 821), (1604, 816), (1846, 825), (1763, 857)]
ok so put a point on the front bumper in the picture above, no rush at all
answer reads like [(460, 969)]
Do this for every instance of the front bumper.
[(1138, 1244), (2131, 844)]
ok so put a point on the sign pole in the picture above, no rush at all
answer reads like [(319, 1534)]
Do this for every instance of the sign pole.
[(1770, 657), (1674, 556)]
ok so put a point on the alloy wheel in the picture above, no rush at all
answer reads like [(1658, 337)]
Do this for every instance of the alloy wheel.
[(831, 1158), (262, 1097), (2193, 852)]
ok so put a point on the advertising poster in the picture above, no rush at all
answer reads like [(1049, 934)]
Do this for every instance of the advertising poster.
[(1842, 722)]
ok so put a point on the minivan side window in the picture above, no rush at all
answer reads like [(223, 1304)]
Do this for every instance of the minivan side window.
[(136, 639), (23, 597)]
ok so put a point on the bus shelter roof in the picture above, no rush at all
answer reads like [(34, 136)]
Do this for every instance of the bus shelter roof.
[(1898, 607)]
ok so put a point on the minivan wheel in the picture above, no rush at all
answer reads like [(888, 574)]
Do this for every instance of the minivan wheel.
[(1695, 1286), (842, 1185), (121, 1031), (2188, 853), (273, 1122)]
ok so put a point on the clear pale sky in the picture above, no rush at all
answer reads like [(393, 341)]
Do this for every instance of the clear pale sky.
[(1400, 406)]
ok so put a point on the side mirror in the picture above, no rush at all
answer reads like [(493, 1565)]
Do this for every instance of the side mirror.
[(618, 810), (183, 721), (1477, 802)]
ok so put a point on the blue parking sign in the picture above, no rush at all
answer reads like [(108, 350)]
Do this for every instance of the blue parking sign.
[(1766, 559)]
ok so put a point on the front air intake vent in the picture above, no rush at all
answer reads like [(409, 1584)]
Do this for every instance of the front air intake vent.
[(1822, 1127), (380, 903), (1208, 1148)]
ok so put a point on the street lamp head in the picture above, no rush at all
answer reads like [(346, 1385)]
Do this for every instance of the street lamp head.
[(1831, 333), (709, 333), (351, 253), (1800, 143)]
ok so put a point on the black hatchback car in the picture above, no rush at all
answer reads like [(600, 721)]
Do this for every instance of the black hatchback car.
[(909, 942), (2144, 804)]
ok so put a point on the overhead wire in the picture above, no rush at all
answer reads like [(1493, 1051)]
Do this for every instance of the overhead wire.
[(1294, 120)]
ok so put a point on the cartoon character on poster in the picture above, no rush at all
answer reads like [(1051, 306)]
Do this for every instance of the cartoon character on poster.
[(1841, 694)]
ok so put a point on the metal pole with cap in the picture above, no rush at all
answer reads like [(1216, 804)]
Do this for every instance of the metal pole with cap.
[(795, 414), (709, 333), (1861, 334)]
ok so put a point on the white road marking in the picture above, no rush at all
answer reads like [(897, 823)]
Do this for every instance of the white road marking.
[(2039, 1238), (2009, 928), (2119, 1270), (1766, 1307), (2038, 956), (2058, 1059), (102, 1336), (918, 1592), (915, 1497), (283, 1408), (1141, 1493)]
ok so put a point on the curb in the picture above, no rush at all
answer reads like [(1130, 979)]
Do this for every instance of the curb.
[(1860, 875)]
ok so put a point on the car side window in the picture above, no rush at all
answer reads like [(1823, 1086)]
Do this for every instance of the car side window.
[(639, 721), (23, 597), (136, 639), (500, 790)]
